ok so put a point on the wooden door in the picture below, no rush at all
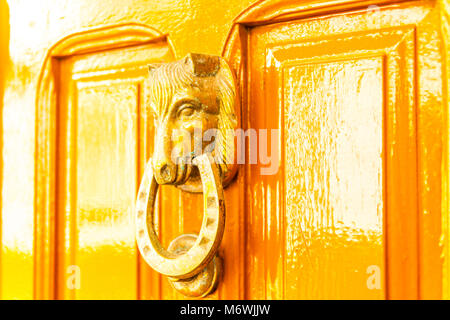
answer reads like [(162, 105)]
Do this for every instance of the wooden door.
[(341, 97), (351, 95)]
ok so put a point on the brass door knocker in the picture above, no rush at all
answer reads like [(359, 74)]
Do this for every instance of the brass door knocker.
[(195, 95)]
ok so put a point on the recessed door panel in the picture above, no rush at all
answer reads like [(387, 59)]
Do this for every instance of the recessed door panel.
[(104, 193), (105, 136), (333, 178)]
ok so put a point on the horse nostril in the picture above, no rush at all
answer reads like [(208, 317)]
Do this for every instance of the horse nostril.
[(166, 172)]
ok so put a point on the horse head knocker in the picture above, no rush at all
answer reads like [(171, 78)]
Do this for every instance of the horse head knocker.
[(193, 100)]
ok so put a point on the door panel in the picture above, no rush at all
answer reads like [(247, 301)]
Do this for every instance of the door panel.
[(343, 207), (103, 132), (333, 178), (104, 196)]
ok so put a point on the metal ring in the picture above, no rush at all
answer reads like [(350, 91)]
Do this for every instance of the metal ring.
[(205, 248)]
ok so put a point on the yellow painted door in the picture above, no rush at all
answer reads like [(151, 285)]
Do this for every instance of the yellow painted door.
[(353, 96)]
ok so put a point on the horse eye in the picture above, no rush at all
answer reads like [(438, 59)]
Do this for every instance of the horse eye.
[(186, 111)]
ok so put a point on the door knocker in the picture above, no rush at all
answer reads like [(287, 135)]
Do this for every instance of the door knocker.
[(193, 100)]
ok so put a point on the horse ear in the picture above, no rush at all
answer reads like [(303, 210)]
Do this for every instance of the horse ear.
[(202, 65), (152, 67)]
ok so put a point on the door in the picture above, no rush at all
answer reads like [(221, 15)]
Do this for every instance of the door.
[(343, 197)]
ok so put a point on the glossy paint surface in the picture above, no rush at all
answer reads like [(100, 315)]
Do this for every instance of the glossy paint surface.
[(28, 30), (103, 195), (359, 93), (101, 111), (333, 179), (329, 197), (343, 90)]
